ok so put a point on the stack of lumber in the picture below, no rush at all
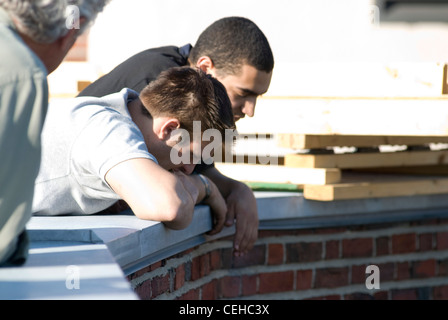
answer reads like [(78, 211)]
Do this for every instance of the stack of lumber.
[(369, 173), (342, 167)]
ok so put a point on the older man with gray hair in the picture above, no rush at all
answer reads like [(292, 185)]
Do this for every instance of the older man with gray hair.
[(35, 36)]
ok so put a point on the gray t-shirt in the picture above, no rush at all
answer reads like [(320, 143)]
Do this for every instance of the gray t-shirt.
[(83, 138), (23, 105)]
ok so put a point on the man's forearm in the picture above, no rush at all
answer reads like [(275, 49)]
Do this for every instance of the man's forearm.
[(196, 182), (224, 184)]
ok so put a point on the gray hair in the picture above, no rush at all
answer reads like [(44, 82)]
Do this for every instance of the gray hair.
[(45, 21)]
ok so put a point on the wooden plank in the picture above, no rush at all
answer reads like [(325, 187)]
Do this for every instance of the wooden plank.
[(375, 186), (83, 84), (255, 159), (416, 170), (279, 174), (367, 160), (445, 80), (319, 141)]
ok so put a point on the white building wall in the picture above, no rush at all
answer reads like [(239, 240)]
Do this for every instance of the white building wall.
[(321, 47)]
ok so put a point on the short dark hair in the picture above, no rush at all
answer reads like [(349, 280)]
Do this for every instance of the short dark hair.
[(189, 95), (232, 42)]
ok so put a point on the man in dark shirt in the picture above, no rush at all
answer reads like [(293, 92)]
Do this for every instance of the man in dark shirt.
[(139, 70), (234, 51)]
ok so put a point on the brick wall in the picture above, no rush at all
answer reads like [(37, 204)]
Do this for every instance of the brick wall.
[(328, 263)]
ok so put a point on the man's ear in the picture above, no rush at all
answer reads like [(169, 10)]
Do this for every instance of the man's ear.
[(167, 128), (206, 64), (66, 42)]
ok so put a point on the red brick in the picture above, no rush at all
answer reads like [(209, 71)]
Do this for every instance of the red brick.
[(146, 270), (403, 271), (282, 233), (382, 246), (160, 285), (184, 253), (195, 269), (256, 256), (276, 282), (443, 268), (139, 273), (332, 249), (210, 290), (314, 299), (157, 265), (387, 271), (215, 260), (425, 222), (424, 269), (425, 242), (229, 287), (353, 248), (331, 278), (331, 297), (226, 258), (200, 267), (275, 256), (190, 295), (179, 278), (358, 296), (359, 274), (249, 285), (382, 295), (405, 294), (204, 267), (403, 243), (303, 252), (304, 279), (440, 293), (442, 240), (144, 290)]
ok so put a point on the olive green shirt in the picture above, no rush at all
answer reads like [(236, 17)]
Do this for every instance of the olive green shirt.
[(23, 106)]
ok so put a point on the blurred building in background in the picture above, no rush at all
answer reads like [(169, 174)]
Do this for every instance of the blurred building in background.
[(323, 48)]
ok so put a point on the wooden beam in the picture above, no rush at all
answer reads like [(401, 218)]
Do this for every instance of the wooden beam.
[(415, 170), (318, 141), (367, 160), (375, 186), (445, 80), (83, 84), (279, 174)]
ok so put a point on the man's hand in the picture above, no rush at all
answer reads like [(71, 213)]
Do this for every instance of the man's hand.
[(242, 208), (215, 201), (218, 208)]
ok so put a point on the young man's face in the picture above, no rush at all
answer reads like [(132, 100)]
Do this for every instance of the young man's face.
[(164, 140), (244, 89), (174, 156)]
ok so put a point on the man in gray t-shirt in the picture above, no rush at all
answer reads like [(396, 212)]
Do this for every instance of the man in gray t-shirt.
[(34, 39), (82, 140), (97, 151)]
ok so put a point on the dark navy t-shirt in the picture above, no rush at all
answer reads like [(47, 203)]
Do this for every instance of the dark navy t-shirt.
[(139, 70)]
